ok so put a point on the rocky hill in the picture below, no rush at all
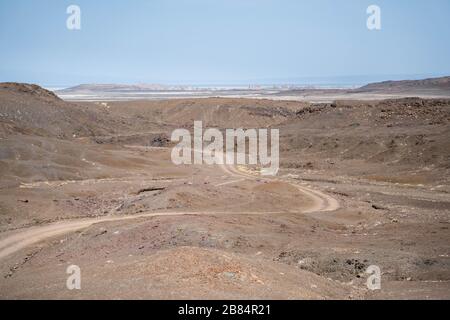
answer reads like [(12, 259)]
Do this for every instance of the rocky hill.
[(432, 84), (30, 109)]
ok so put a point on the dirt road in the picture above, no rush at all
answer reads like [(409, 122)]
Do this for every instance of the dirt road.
[(23, 238)]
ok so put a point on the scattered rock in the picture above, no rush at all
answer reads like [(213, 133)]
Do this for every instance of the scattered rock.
[(101, 233), (150, 189), (230, 275)]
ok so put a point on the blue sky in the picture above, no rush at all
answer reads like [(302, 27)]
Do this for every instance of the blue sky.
[(221, 41)]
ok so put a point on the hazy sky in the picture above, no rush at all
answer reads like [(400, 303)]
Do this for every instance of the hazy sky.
[(220, 41)]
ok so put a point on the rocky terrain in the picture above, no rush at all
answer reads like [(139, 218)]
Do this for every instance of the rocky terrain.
[(92, 184)]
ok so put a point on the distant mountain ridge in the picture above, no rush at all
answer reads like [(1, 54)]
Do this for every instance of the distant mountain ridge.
[(123, 88), (401, 86), (442, 83)]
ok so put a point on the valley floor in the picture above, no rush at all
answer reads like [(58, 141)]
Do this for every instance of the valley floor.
[(227, 233), (92, 184)]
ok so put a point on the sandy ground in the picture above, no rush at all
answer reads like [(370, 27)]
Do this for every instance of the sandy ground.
[(316, 201), (361, 184), (248, 274), (316, 248)]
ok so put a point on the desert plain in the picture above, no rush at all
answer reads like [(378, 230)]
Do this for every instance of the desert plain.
[(363, 181)]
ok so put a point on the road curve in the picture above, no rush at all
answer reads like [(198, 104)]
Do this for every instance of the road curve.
[(321, 201), (29, 236)]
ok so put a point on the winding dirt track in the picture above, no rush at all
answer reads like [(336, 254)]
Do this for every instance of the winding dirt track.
[(321, 201), (26, 237)]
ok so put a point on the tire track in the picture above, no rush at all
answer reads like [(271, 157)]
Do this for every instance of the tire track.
[(25, 238)]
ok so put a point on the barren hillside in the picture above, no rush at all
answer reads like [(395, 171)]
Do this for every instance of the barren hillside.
[(432, 84), (92, 184), (29, 109)]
